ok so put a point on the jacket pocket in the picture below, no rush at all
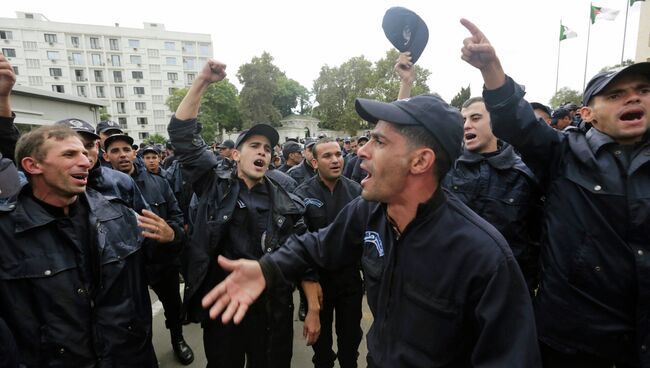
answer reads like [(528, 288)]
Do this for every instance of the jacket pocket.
[(431, 326)]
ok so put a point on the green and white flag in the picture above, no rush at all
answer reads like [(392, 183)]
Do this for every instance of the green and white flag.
[(602, 13), (566, 32)]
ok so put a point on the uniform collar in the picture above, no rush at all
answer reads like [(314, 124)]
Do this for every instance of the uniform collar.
[(505, 159)]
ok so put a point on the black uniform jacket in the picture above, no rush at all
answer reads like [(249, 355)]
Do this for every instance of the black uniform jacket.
[(447, 292), (594, 293), (55, 318)]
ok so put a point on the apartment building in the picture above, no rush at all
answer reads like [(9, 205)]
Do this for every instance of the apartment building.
[(643, 39), (131, 71)]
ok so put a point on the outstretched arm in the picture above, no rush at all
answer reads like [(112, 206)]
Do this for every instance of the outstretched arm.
[(213, 71), (405, 69), (478, 52)]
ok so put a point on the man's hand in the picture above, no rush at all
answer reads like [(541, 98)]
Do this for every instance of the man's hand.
[(311, 329), (155, 227), (234, 295), (478, 52), (213, 71), (404, 68), (314, 296), (7, 77)]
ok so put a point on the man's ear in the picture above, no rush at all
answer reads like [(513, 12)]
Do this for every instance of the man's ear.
[(31, 166), (587, 114), (105, 156), (422, 161), (235, 155)]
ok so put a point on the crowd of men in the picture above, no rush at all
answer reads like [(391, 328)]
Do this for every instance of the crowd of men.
[(502, 234)]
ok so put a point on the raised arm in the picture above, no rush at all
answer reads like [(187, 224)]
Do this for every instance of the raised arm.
[(213, 71), (405, 69), (8, 131)]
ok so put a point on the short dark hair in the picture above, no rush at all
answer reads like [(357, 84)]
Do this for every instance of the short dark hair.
[(31, 144), (321, 141), (472, 101), (419, 136)]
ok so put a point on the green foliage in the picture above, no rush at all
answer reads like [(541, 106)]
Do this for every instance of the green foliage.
[(103, 114), (386, 81), (290, 94), (461, 97), (259, 79), (624, 63), (565, 95), (219, 108), (156, 138)]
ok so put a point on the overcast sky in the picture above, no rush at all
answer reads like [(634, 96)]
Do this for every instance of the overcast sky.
[(304, 35)]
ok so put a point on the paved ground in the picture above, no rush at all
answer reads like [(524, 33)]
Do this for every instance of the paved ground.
[(301, 353)]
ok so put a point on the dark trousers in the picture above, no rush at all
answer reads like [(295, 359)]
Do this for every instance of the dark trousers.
[(167, 289), (552, 358), (342, 294), (253, 341)]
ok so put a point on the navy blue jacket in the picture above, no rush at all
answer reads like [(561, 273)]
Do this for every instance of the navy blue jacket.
[(446, 293), (114, 184), (301, 172), (502, 189), (594, 293)]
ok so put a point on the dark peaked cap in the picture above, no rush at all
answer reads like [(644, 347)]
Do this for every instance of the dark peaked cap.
[(406, 31)]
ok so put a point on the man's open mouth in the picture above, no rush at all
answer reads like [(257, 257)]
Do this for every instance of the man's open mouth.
[(632, 115), (258, 163), (469, 136)]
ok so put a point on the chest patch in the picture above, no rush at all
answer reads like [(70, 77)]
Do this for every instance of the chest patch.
[(372, 238), (312, 202)]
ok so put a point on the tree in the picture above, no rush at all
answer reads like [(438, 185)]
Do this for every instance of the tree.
[(386, 81), (259, 79), (290, 94), (219, 109), (156, 138), (565, 95), (461, 97), (103, 114), (335, 90), (624, 63)]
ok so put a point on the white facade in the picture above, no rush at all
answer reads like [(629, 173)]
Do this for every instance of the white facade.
[(133, 71), (643, 39)]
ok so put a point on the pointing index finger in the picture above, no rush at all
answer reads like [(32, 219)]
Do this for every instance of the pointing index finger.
[(472, 28)]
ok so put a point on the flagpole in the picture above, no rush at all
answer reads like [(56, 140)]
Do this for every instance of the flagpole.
[(584, 79), (557, 70), (627, 8)]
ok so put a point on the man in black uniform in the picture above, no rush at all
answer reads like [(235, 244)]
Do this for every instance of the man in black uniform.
[(442, 283), (304, 170), (163, 265), (292, 153), (106, 129), (324, 195), (242, 214)]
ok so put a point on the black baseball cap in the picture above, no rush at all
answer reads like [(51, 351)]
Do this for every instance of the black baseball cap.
[(259, 129), (406, 31), (603, 79), (309, 142), (558, 114), (541, 106), (150, 148), (289, 148), (444, 122), (103, 126), (228, 143), (78, 125), (9, 180), (117, 137), (362, 138)]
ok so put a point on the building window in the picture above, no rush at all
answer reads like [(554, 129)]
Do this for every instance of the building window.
[(94, 43), (53, 55), (188, 47), (170, 60), (58, 88), (189, 78), (9, 52), (136, 59), (204, 49), (77, 58), (137, 75), (74, 40), (99, 76), (140, 106), (153, 53), (143, 135), (100, 92), (113, 43), (81, 91), (138, 90), (157, 99), (6, 35), (35, 81), (155, 68), (172, 76), (32, 63), (122, 122), (50, 37), (55, 72), (134, 43), (189, 63), (119, 92), (158, 113), (170, 45), (115, 60), (79, 75), (15, 70), (156, 83), (117, 76), (172, 90), (121, 107), (97, 59), (30, 45), (142, 121)]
